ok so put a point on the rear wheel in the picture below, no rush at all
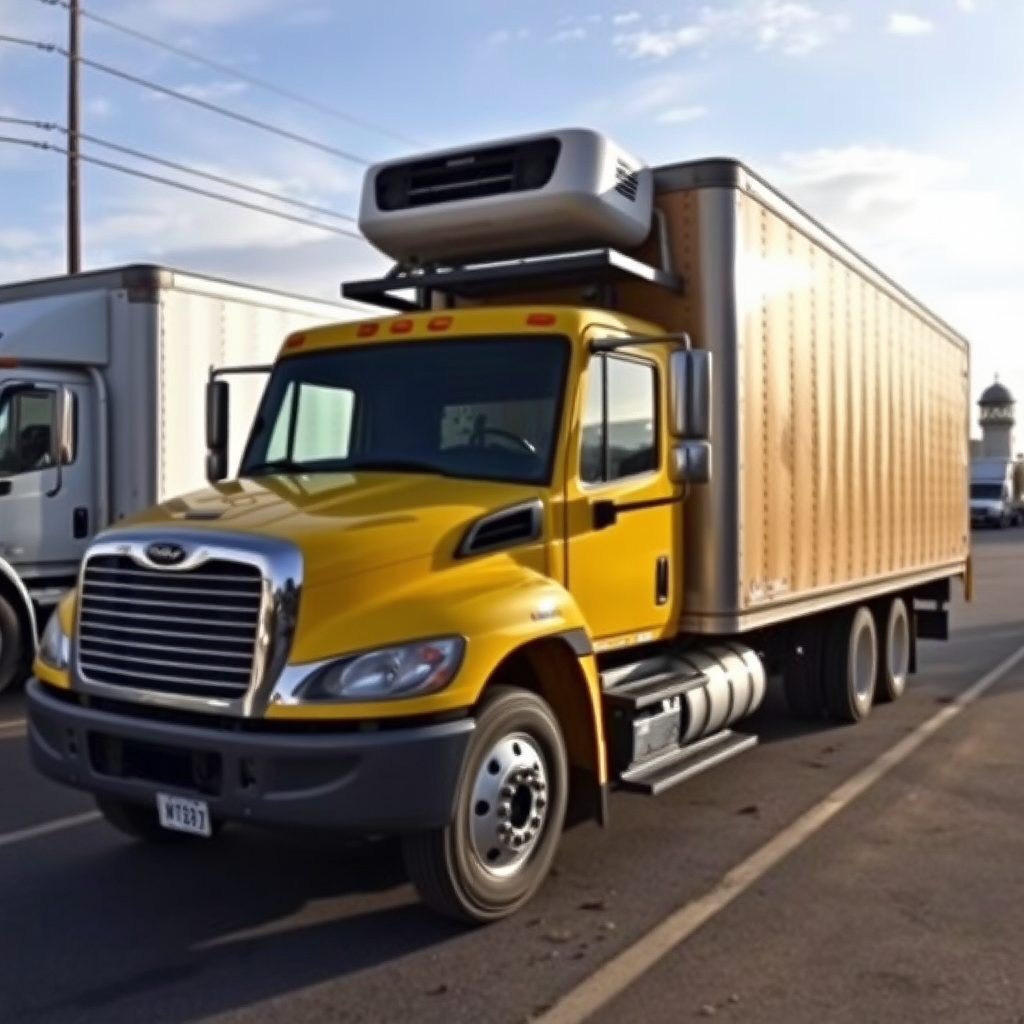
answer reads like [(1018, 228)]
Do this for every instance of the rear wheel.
[(851, 665), (509, 812), (12, 638), (894, 653)]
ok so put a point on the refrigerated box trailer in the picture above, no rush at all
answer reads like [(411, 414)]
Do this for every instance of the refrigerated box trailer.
[(121, 356), (643, 439)]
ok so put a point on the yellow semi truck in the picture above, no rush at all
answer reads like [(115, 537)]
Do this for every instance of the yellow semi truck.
[(625, 444)]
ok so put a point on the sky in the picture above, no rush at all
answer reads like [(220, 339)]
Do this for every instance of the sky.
[(895, 123)]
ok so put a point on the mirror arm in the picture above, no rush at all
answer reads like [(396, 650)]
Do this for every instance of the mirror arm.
[(606, 512)]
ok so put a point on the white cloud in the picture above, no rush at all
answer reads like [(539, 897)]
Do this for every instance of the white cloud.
[(967, 6), (28, 21), (900, 24), (210, 92), (211, 13), (626, 18), (569, 35), (640, 110), (680, 115), (502, 36), (792, 27), (932, 224), (660, 44), (98, 106), (131, 219)]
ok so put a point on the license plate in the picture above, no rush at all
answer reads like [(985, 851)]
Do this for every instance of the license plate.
[(182, 815)]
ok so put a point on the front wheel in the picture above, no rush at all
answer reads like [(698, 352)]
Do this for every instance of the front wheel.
[(509, 812), (12, 655)]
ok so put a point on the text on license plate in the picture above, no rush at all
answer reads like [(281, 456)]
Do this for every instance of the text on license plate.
[(183, 815)]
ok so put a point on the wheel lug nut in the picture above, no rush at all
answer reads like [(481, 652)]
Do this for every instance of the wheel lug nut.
[(504, 810), (508, 791), (535, 821)]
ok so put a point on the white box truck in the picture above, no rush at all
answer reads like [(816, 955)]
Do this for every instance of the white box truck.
[(122, 356)]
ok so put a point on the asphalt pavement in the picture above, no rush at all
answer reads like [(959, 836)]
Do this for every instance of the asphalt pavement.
[(905, 907)]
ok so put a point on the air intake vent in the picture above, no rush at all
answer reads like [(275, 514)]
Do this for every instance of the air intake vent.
[(491, 171), (626, 181), (519, 524)]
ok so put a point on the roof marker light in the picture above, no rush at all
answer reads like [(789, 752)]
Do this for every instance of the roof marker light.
[(295, 341), (540, 319), (401, 326), (367, 330), (440, 323)]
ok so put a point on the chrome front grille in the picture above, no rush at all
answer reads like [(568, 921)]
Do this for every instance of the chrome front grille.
[(189, 632)]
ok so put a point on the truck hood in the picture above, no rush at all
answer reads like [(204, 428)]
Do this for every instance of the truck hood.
[(344, 523)]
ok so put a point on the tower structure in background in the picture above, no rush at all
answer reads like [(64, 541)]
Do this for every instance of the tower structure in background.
[(997, 418)]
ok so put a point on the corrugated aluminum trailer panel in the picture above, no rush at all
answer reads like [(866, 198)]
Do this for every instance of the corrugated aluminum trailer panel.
[(841, 410)]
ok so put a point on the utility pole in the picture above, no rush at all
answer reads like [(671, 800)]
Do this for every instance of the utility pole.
[(74, 240)]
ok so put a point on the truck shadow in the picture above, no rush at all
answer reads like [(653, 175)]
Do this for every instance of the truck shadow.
[(199, 931)]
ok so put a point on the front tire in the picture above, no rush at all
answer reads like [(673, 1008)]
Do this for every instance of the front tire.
[(12, 636), (509, 812)]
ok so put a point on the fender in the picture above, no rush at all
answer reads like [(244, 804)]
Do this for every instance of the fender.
[(22, 599), (497, 608)]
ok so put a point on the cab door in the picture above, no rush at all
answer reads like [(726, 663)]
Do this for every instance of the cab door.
[(46, 512), (623, 531)]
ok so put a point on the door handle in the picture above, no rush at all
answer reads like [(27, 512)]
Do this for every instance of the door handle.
[(661, 581), (80, 523), (5, 487)]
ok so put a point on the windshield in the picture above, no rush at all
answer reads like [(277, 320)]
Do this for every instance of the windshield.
[(484, 407), (987, 492)]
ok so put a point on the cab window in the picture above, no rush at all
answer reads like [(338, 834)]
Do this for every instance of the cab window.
[(315, 423), (26, 418), (619, 428)]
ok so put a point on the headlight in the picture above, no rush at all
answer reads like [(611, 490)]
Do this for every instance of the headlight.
[(406, 670), (55, 646)]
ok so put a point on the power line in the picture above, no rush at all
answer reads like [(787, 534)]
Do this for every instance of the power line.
[(240, 75), (49, 126), (121, 169), (195, 101)]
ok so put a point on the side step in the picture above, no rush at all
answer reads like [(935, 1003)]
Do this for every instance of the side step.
[(681, 763), (648, 691)]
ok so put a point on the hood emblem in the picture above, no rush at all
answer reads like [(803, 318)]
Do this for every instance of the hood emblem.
[(166, 553)]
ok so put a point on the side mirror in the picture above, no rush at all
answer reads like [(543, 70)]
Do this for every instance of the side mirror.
[(690, 409), (61, 429), (217, 408), (217, 411), (216, 465), (690, 463)]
